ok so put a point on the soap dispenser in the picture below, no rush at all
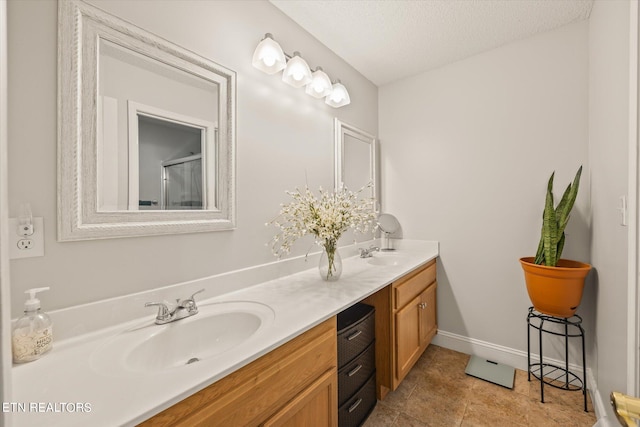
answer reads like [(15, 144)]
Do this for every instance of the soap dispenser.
[(32, 334)]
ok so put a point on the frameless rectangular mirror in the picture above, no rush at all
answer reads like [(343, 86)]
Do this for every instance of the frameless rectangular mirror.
[(356, 159), (146, 132)]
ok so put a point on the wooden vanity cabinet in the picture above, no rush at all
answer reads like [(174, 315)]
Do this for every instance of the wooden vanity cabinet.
[(406, 321), (314, 406), (295, 384), (415, 325)]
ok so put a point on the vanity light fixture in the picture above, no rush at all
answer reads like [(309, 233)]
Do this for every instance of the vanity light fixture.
[(320, 85), (297, 72), (339, 96), (270, 58)]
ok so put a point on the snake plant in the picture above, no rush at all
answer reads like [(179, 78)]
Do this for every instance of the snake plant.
[(554, 221)]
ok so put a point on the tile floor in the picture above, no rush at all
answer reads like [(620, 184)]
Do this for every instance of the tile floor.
[(437, 393)]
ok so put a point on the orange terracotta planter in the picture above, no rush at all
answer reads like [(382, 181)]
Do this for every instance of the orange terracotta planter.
[(556, 291)]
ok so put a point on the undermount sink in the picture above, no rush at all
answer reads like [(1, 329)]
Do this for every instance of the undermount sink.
[(149, 348), (384, 259)]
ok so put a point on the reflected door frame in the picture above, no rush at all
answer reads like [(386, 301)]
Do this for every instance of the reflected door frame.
[(208, 141)]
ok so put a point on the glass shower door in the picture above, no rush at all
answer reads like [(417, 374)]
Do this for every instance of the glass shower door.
[(182, 183)]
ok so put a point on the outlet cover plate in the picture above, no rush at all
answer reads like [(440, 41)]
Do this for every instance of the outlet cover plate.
[(37, 239)]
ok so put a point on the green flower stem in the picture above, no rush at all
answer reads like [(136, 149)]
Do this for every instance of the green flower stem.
[(330, 248)]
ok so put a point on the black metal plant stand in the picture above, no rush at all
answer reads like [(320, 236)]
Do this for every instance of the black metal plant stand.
[(547, 373)]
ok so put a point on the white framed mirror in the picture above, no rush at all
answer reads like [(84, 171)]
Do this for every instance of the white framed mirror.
[(356, 160), (146, 132)]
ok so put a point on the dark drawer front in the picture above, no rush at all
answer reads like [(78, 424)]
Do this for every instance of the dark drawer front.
[(356, 410), (353, 340), (354, 374)]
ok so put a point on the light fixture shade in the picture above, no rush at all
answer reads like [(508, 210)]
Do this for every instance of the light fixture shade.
[(297, 72), (268, 56), (339, 96), (320, 85)]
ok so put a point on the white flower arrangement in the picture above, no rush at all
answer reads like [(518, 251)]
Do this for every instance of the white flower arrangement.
[(326, 217)]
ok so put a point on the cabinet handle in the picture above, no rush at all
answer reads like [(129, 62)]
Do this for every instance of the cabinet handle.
[(355, 405), (354, 335), (422, 305), (354, 370)]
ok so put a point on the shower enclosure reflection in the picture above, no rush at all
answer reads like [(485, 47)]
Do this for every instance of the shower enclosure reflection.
[(171, 166), (182, 183)]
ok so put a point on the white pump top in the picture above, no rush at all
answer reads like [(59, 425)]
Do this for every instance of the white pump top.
[(33, 303)]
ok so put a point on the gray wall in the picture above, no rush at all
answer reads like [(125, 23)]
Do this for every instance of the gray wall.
[(608, 158), (467, 150), (284, 137)]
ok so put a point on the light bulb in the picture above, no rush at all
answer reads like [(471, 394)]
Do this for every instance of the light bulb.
[(337, 96), (269, 60), (297, 74)]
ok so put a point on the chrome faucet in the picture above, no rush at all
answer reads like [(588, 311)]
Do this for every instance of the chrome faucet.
[(170, 313), (368, 253)]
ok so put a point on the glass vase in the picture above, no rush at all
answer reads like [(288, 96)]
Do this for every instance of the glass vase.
[(330, 267)]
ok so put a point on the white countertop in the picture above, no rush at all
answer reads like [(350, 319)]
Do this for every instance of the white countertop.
[(299, 301)]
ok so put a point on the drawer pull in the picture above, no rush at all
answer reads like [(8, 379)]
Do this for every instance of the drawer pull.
[(355, 405), (354, 335), (354, 370)]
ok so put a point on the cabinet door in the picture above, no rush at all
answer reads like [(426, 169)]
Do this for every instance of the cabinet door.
[(255, 392), (407, 337), (428, 324), (314, 406)]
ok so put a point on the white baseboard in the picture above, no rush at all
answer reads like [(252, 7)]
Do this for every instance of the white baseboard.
[(495, 352), (598, 404), (518, 359), (484, 349)]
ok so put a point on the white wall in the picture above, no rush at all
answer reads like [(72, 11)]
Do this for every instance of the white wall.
[(283, 136), (608, 157), (466, 153)]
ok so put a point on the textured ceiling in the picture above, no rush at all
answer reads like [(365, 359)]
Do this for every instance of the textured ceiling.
[(387, 40)]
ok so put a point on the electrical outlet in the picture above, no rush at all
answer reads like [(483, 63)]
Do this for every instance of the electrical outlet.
[(25, 244), (21, 246)]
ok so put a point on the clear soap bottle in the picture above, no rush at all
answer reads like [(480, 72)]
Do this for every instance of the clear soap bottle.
[(33, 332)]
